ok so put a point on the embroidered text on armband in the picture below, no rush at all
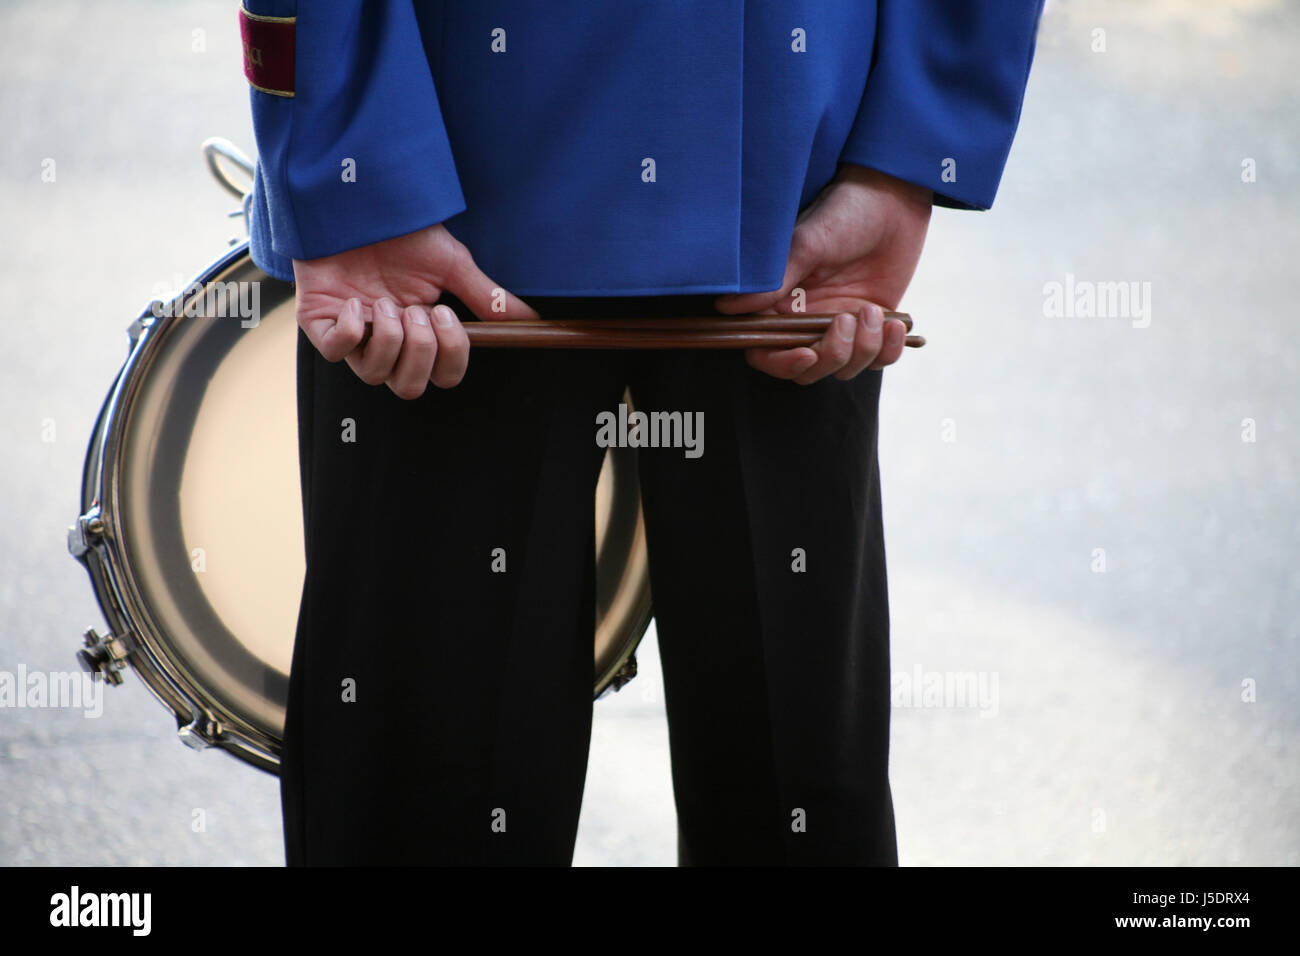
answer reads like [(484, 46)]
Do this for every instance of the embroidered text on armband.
[(268, 51)]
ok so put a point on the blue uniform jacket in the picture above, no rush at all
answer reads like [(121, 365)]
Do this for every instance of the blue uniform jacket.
[(623, 147)]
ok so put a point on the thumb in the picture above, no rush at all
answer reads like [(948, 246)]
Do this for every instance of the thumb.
[(485, 298), (802, 261)]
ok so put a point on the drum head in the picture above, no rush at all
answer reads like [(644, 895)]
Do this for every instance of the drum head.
[(199, 489)]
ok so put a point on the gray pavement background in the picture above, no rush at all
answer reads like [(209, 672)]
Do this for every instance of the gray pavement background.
[(1120, 735)]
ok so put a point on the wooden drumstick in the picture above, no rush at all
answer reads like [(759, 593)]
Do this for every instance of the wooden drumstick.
[(673, 332)]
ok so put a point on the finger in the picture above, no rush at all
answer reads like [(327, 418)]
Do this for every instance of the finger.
[(805, 254), (453, 348), (834, 349), (336, 338), (419, 348), (485, 298), (818, 303), (374, 363), (866, 341), (781, 363), (895, 340)]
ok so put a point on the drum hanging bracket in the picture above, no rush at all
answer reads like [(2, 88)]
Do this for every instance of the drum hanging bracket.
[(219, 153), (215, 150)]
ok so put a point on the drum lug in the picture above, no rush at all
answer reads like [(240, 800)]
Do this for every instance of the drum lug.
[(624, 673), (200, 733), (103, 656), (146, 318), (86, 534)]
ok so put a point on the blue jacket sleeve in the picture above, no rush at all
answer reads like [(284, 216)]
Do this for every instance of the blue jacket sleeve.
[(943, 98), (359, 152)]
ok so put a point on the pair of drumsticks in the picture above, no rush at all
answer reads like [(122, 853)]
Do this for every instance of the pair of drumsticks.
[(707, 332)]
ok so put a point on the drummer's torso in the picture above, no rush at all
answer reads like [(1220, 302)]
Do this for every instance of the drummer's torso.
[(643, 147)]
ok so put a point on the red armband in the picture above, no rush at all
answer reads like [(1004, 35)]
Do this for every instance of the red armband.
[(268, 51)]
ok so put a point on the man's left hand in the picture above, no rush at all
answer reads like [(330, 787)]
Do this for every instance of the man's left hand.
[(854, 250)]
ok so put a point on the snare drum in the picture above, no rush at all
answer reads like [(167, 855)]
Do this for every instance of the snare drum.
[(197, 442)]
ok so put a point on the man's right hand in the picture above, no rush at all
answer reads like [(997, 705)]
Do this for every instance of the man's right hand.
[(392, 283)]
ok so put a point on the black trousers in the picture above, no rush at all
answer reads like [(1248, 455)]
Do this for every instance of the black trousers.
[(440, 712)]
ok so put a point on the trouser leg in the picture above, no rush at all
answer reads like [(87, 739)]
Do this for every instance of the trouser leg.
[(768, 571), (440, 694)]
